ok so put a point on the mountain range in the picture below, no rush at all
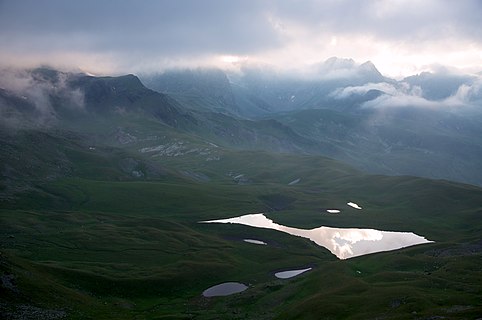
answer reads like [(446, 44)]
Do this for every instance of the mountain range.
[(424, 125), (345, 111)]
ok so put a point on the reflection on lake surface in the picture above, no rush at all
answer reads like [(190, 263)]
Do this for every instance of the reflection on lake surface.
[(343, 242), (290, 273), (225, 289)]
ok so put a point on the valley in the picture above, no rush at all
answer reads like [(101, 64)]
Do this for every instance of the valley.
[(103, 187)]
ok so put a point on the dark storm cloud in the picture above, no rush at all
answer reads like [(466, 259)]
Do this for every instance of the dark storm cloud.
[(163, 27)]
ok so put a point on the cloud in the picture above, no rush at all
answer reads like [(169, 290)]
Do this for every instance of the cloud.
[(127, 35), (35, 94), (404, 95), (343, 93), (468, 93), (402, 99), (394, 95), (131, 31), (390, 19), (160, 26), (400, 37)]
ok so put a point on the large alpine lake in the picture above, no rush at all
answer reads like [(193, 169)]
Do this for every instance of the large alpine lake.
[(343, 242)]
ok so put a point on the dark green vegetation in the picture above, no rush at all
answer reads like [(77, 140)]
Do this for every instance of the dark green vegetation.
[(100, 209)]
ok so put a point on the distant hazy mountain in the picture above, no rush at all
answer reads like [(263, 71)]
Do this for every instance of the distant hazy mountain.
[(425, 125), (286, 92), (257, 91)]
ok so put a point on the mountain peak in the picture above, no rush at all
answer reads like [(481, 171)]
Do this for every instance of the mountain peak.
[(339, 63), (368, 65), (369, 68)]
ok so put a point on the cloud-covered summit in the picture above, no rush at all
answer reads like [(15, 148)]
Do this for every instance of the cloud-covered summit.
[(416, 92)]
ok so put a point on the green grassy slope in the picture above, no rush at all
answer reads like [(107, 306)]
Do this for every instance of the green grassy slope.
[(106, 248)]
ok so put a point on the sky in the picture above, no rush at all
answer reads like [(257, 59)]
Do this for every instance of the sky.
[(401, 37)]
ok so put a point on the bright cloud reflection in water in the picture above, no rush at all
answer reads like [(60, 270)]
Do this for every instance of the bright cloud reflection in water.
[(343, 242)]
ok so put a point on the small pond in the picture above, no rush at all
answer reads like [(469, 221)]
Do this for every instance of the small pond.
[(225, 289)]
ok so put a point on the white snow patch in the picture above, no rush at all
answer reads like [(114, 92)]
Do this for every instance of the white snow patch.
[(290, 273), (294, 182), (354, 205), (255, 241)]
